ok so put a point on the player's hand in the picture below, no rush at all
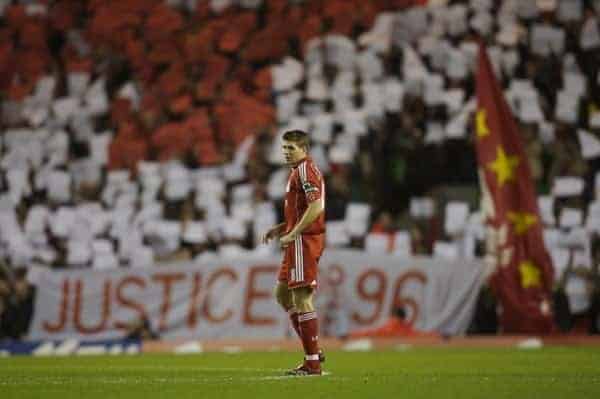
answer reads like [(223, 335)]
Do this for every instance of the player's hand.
[(287, 239), (269, 235)]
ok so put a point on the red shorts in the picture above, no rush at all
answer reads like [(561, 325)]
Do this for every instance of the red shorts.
[(300, 261)]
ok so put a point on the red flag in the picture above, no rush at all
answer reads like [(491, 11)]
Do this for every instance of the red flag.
[(523, 273)]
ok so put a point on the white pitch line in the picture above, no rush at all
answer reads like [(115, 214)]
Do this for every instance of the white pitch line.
[(152, 380), (286, 377), (158, 367)]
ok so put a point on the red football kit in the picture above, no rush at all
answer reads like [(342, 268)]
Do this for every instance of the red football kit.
[(300, 259)]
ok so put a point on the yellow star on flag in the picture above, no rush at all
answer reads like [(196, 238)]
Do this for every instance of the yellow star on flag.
[(522, 221), (530, 274), (481, 124), (504, 166)]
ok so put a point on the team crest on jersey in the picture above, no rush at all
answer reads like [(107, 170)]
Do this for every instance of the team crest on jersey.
[(307, 187)]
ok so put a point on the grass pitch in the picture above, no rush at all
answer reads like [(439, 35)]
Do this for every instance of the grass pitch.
[(417, 373)]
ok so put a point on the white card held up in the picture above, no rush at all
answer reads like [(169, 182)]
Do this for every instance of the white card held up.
[(322, 128), (369, 65), (482, 22), (422, 207), (234, 228), (510, 61), (277, 184), (571, 217), (341, 153), (570, 10), (589, 144), (287, 74), (531, 112), (377, 243), (567, 107), (546, 205), (546, 39), (96, 99), (592, 222), (357, 218), (287, 103), (36, 220), (590, 34), (546, 132), (340, 51), (594, 118), (413, 66), (567, 186), (393, 94), (77, 83), (481, 5), (337, 234), (402, 244), (560, 261), (454, 99), (575, 83), (99, 145), (118, 178), (44, 89), (552, 238), (456, 217), (524, 9), (317, 89), (456, 19), (130, 92), (243, 211), (65, 107), (105, 261), (79, 253), (379, 37), (435, 133), (59, 186), (195, 233), (445, 250), (457, 66)]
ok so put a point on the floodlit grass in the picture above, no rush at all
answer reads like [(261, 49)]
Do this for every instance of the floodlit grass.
[(421, 373)]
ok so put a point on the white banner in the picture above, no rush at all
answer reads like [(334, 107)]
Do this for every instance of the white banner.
[(233, 299)]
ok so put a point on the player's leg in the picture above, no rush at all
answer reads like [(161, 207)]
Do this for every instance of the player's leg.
[(309, 327), (282, 292), (303, 262), (284, 297)]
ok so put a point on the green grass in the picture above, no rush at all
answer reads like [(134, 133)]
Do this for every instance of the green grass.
[(420, 373)]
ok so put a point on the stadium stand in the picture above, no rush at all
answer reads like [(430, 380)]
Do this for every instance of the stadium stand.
[(137, 132)]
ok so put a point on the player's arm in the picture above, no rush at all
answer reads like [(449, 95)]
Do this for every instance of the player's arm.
[(310, 215), (315, 208), (274, 232)]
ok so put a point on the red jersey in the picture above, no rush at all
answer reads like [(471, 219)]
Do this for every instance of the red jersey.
[(305, 185)]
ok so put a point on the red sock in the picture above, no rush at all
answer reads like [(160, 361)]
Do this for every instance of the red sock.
[(309, 326), (294, 321), (296, 324)]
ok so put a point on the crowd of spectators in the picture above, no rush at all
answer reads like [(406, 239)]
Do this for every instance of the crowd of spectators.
[(137, 132), (17, 296)]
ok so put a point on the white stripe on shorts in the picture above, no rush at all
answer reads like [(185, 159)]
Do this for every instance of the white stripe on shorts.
[(299, 259)]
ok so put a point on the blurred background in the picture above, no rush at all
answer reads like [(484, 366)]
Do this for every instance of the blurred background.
[(140, 161)]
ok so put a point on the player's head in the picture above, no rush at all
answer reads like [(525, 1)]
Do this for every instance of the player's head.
[(295, 146)]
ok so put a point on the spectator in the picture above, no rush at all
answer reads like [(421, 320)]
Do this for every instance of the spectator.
[(485, 320), (141, 329), (389, 102), (6, 314), (23, 303), (395, 326)]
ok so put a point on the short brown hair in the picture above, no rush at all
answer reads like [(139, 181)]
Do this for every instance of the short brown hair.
[(299, 137)]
